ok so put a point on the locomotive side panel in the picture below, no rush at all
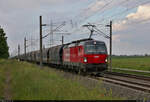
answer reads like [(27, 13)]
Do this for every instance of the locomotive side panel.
[(73, 55)]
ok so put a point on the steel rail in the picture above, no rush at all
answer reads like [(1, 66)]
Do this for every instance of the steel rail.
[(146, 78), (127, 84), (132, 70), (130, 83)]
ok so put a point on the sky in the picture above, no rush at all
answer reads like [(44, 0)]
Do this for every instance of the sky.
[(131, 22)]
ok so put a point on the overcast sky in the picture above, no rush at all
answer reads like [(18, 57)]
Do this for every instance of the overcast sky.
[(131, 22)]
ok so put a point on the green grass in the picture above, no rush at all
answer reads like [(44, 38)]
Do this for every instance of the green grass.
[(138, 63), (2, 78), (131, 62), (29, 82)]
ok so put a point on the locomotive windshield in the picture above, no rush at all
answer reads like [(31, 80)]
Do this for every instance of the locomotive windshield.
[(95, 48)]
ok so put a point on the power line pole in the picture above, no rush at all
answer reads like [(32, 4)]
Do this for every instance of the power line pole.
[(110, 45), (110, 56), (41, 54), (25, 47), (41, 37), (18, 52), (62, 39)]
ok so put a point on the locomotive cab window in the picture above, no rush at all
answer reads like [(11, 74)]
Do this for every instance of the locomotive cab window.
[(95, 48)]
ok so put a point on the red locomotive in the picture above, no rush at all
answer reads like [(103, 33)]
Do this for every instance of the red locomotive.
[(86, 56)]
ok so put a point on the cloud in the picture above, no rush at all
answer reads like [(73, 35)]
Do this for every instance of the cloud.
[(131, 35), (140, 15), (20, 18), (120, 25)]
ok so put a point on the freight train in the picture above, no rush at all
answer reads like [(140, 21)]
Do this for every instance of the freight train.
[(81, 56)]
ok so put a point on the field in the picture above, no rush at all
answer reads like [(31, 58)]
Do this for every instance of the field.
[(29, 82), (131, 62)]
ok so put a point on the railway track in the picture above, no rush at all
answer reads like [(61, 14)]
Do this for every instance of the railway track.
[(141, 83), (128, 75)]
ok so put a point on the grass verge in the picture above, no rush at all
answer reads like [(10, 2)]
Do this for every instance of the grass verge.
[(29, 82), (2, 77)]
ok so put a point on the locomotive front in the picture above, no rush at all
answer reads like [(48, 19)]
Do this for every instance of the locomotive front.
[(95, 56)]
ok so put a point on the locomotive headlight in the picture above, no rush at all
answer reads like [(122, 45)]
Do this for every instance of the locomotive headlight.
[(106, 60), (85, 59)]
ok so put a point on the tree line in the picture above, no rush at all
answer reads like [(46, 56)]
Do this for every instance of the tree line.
[(3, 44)]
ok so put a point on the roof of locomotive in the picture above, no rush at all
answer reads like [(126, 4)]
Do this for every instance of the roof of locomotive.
[(83, 40), (78, 41)]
